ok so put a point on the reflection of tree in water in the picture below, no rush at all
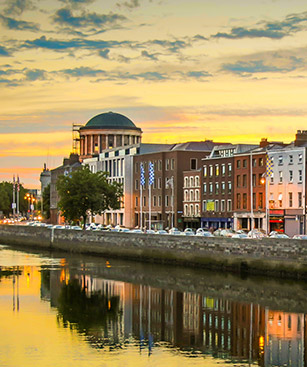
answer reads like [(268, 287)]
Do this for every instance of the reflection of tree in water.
[(8, 272), (88, 313)]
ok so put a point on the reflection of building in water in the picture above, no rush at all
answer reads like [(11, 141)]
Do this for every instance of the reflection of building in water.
[(285, 339), (192, 331)]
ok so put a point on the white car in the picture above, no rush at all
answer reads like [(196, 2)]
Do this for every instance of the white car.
[(240, 235), (174, 231), (188, 232), (161, 231), (204, 234)]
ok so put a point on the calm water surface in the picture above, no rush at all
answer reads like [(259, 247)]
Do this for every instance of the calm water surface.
[(59, 310)]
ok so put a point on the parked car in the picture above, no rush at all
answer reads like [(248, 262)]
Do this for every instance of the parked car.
[(300, 237), (240, 235), (217, 232), (174, 231), (161, 231), (204, 234), (76, 228), (188, 232), (227, 232), (150, 231), (279, 235), (201, 230), (136, 230), (256, 233)]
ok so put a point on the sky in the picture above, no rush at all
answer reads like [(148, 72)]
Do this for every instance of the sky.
[(231, 71)]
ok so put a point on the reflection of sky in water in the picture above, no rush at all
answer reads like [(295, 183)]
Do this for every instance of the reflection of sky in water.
[(63, 315)]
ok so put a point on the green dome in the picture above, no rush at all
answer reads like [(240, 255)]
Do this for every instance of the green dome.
[(110, 120)]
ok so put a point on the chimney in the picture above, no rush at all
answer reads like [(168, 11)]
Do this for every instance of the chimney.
[(300, 138), (263, 143)]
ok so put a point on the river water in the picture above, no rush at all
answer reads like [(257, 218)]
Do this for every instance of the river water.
[(64, 310)]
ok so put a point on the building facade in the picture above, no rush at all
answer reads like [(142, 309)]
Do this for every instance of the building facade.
[(192, 198)]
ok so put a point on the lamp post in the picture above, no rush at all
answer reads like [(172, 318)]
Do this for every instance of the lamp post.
[(264, 181)]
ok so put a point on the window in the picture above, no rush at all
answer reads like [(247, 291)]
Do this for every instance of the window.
[(254, 200), (229, 169), (210, 187), (290, 199), (159, 165), (290, 176), (260, 200), (172, 163), (159, 200), (186, 195), (229, 206), (238, 201), (155, 183), (244, 163), (205, 188), (223, 169), (196, 181), (290, 159), (244, 201), (159, 182), (272, 178), (144, 200), (260, 179), (197, 209), (204, 205), (196, 195), (210, 171), (186, 211), (136, 184), (136, 201), (217, 170), (280, 160), (186, 182), (223, 187), (166, 164), (254, 180), (192, 181), (166, 200), (191, 210), (191, 195), (300, 202), (216, 206), (261, 162), (300, 175), (154, 200), (244, 181), (280, 176), (238, 164), (254, 162), (205, 171), (216, 187), (280, 200), (300, 158), (229, 187), (223, 205), (238, 181), (193, 163)]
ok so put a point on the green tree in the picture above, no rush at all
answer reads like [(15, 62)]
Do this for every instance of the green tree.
[(6, 198), (46, 202), (83, 192)]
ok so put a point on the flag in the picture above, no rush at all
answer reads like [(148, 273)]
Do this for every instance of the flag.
[(142, 179), (269, 166), (18, 188), (14, 182), (151, 173)]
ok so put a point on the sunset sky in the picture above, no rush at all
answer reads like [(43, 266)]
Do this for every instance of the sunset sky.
[(181, 70)]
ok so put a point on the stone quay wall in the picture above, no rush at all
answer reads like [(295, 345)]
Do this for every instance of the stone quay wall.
[(278, 257)]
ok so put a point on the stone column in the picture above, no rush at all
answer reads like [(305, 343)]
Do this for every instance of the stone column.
[(85, 142), (99, 143), (92, 144)]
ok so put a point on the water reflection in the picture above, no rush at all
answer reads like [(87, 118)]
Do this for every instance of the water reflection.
[(118, 314)]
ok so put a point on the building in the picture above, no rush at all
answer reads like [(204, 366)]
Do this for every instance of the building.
[(45, 178), (287, 187), (167, 188), (69, 164), (218, 185), (106, 131), (192, 198)]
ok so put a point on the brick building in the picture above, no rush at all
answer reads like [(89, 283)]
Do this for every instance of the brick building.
[(192, 198)]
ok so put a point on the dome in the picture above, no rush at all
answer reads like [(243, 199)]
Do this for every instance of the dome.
[(110, 120)]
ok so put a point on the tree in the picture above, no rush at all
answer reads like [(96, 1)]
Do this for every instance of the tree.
[(46, 202), (6, 198), (83, 191)]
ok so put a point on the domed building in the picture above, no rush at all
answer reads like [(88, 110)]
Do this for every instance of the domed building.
[(107, 131)]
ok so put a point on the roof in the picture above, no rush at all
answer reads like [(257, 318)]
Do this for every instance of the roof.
[(110, 120), (206, 145)]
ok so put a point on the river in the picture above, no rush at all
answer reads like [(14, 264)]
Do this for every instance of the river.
[(67, 310)]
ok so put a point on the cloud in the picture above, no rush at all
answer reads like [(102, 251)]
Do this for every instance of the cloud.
[(104, 53), (19, 25), (132, 4), (17, 7), (274, 30), (274, 63), (35, 74), (147, 55), (173, 46), (4, 51), (86, 20), (76, 3)]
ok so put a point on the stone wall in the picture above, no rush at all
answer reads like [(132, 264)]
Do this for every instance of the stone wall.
[(281, 257)]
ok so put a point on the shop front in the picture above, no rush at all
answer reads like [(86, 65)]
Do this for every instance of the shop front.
[(215, 222), (277, 220), (294, 221)]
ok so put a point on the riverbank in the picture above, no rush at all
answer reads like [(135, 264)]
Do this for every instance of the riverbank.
[(275, 257)]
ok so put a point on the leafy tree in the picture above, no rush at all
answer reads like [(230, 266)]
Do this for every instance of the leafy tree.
[(84, 191), (6, 198), (46, 202)]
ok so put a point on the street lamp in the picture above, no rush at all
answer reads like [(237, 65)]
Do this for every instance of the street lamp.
[(264, 181)]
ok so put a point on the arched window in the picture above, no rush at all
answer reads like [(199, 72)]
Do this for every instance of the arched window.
[(186, 195), (196, 195), (191, 195), (191, 210), (192, 181), (186, 211), (186, 182), (196, 181), (197, 210)]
